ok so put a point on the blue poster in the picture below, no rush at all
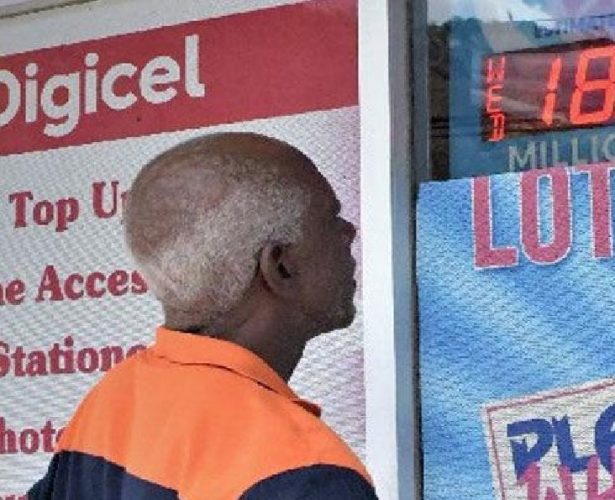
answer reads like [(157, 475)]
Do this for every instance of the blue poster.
[(516, 281)]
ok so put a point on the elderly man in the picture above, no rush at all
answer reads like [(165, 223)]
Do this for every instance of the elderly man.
[(241, 240)]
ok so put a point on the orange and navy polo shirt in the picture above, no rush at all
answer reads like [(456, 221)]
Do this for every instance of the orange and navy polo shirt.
[(198, 418)]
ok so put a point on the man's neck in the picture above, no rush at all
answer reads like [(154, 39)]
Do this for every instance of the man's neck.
[(279, 345), (272, 339)]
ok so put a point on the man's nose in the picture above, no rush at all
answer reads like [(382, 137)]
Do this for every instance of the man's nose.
[(350, 231)]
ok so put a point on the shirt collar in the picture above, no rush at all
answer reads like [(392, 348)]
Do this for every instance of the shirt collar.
[(185, 348)]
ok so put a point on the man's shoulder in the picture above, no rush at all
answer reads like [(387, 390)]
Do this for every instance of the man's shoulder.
[(265, 435), (114, 384), (110, 395), (200, 424)]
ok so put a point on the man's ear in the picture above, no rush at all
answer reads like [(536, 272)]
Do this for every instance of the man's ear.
[(278, 269)]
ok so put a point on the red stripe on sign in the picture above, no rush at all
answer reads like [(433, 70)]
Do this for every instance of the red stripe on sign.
[(270, 62)]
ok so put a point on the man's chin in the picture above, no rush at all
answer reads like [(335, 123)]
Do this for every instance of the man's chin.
[(343, 318), (352, 312)]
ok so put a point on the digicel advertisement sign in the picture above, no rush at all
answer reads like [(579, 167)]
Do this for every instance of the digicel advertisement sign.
[(201, 73)]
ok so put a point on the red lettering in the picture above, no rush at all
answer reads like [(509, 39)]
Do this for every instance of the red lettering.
[(592, 479), (76, 286), (20, 206), (15, 291), (87, 360), (69, 286), (98, 195), (110, 355), (91, 285), (13, 294), (18, 359), (37, 364), (48, 431), (61, 360), (50, 283), (583, 85), (118, 283), (139, 286), (494, 100), (496, 70), (498, 124), (29, 441), (43, 212), (600, 189), (485, 254), (531, 479), (8, 439), (552, 86), (5, 360), (565, 478), (68, 211), (558, 248)]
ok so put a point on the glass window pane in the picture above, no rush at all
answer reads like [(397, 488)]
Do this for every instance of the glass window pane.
[(521, 84)]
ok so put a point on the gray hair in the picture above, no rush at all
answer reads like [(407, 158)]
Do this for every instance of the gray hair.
[(191, 255)]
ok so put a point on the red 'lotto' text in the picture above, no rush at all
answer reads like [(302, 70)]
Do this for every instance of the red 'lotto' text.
[(60, 100), (487, 255)]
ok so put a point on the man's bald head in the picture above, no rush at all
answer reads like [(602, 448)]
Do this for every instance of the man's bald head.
[(198, 214)]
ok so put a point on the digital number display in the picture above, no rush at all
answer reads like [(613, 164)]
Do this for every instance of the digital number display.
[(561, 87)]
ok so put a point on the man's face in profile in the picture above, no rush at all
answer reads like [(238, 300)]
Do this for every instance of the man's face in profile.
[(328, 266)]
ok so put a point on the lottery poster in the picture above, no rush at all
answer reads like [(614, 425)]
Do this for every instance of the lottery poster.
[(516, 282)]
